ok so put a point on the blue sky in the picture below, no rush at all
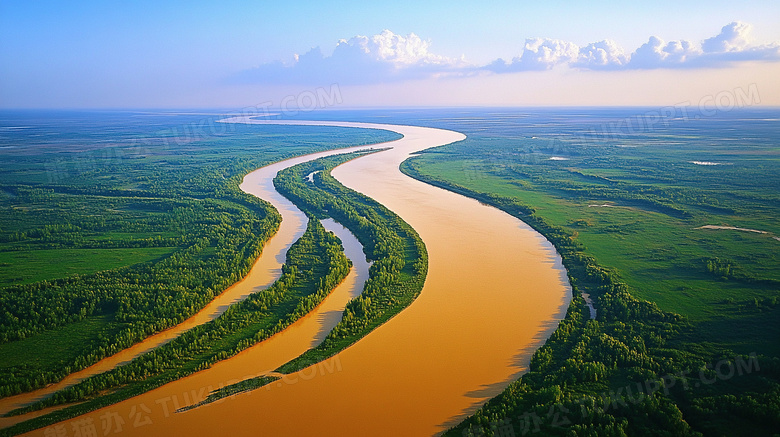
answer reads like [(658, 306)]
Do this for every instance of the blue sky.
[(403, 53)]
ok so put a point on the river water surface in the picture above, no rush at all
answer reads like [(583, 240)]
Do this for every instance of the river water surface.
[(495, 290)]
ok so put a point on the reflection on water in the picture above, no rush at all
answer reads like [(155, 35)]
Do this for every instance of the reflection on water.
[(495, 290)]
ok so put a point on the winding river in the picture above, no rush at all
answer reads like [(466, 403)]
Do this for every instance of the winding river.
[(495, 290), (265, 271)]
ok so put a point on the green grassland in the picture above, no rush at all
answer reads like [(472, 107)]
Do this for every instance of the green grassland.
[(47, 349), (660, 255), (22, 267)]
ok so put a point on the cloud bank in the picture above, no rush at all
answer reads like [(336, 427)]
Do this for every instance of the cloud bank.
[(730, 46), (360, 60), (388, 57)]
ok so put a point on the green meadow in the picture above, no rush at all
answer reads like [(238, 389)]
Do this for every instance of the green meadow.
[(658, 252)]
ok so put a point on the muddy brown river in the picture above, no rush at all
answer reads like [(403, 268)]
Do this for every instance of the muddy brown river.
[(495, 291)]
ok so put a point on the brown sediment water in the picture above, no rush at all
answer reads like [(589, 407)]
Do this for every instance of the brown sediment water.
[(495, 290)]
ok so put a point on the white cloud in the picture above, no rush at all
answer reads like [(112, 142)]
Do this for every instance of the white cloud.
[(731, 45), (732, 37), (678, 52), (360, 60), (389, 57), (397, 49), (538, 54), (544, 53), (602, 55), (655, 54)]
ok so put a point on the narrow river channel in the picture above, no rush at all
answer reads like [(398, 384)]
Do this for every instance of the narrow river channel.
[(495, 290)]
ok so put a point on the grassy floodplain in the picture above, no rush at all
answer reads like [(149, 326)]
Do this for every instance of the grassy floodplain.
[(625, 208)]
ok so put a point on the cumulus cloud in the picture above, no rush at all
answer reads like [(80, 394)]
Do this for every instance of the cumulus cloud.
[(359, 60), (397, 49), (732, 37), (544, 53), (732, 44), (389, 57), (602, 55), (538, 54), (656, 54)]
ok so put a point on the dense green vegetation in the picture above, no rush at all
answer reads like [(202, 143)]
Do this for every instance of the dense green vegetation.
[(685, 341), (114, 227), (233, 389)]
